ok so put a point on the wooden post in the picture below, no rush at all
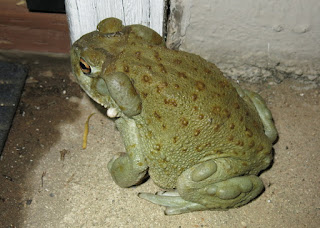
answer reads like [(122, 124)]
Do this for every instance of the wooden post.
[(84, 15)]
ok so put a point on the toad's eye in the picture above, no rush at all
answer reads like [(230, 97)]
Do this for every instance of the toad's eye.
[(85, 68)]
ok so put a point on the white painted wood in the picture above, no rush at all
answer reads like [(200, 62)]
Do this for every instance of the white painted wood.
[(84, 15)]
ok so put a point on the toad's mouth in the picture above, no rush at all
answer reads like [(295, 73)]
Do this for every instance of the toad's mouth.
[(112, 112)]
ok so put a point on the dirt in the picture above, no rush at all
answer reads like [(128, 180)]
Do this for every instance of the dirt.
[(48, 180)]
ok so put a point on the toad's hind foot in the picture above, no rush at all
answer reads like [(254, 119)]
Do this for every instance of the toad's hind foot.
[(231, 193), (205, 186), (173, 202)]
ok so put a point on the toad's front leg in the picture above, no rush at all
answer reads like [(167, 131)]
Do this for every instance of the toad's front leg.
[(129, 168)]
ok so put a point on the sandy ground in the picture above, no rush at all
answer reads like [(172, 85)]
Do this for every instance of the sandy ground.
[(48, 180)]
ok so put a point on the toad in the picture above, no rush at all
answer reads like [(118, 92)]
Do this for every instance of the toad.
[(193, 131)]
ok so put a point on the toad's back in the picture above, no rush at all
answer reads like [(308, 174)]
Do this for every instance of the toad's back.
[(189, 111)]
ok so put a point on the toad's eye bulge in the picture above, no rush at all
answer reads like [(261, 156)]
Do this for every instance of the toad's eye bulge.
[(85, 68)]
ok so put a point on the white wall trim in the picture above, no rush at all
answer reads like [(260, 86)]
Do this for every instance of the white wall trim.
[(84, 15)]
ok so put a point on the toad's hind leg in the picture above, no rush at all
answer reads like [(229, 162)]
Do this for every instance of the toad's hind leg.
[(262, 109), (206, 186), (265, 115)]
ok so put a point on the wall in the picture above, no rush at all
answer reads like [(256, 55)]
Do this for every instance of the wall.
[(251, 39)]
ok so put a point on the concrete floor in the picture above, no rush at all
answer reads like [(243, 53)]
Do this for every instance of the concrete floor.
[(48, 180)]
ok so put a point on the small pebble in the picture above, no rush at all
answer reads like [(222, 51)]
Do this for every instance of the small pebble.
[(29, 201)]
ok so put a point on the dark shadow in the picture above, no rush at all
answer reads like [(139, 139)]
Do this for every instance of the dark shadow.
[(43, 106)]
